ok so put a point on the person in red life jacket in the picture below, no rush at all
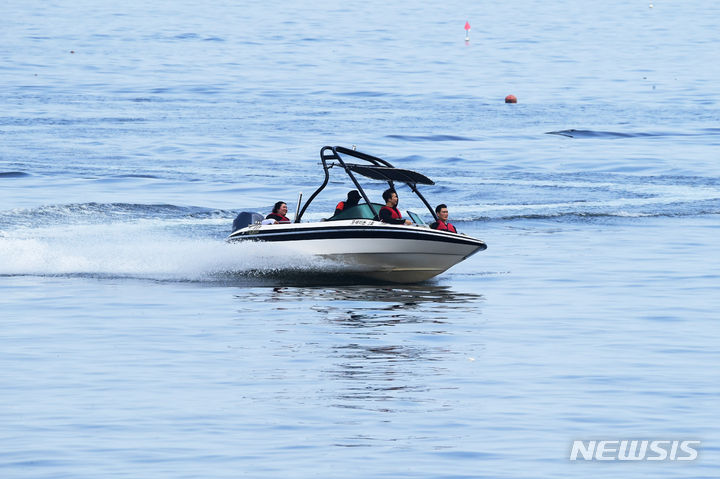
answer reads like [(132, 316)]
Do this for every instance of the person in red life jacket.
[(353, 198), (278, 213), (442, 223), (389, 213)]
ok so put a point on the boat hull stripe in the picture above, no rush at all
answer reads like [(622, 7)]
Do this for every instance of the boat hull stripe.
[(351, 233)]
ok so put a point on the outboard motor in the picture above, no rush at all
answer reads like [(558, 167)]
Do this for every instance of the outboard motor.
[(246, 219)]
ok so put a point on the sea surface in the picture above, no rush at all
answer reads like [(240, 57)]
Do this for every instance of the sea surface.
[(136, 343)]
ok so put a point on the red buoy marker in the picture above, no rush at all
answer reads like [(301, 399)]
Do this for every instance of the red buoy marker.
[(467, 30), (511, 99)]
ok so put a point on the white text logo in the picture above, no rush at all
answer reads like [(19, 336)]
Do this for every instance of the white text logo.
[(634, 450)]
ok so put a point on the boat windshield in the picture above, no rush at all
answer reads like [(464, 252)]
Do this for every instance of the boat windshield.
[(416, 218), (361, 211)]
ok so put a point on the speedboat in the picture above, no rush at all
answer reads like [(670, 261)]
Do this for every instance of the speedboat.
[(356, 239)]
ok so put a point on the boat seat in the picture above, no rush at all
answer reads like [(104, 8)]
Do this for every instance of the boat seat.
[(359, 212)]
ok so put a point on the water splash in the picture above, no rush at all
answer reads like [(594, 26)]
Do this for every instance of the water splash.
[(148, 250)]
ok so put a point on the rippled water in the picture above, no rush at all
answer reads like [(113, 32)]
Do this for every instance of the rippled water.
[(136, 343)]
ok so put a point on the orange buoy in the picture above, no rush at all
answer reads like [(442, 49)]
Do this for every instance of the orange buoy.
[(511, 99)]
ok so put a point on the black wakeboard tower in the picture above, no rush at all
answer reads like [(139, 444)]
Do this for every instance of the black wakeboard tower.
[(377, 169)]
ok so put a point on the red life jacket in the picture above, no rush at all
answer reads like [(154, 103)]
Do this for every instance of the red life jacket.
[(340, 206), (277, 217), (442, 226), (395, 214)]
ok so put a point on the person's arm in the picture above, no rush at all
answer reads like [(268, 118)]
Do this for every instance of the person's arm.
[(386, 217)]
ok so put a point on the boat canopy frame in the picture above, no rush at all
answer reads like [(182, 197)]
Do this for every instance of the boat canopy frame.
[(378, 169)]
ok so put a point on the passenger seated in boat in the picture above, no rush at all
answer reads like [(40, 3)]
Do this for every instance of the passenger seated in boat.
[(389, 213), (278, 213), (353, 198), (442, 223)]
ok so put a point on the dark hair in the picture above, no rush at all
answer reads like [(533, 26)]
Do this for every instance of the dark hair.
[(278, 205), (439, 207), (388, 193), (352, 199)]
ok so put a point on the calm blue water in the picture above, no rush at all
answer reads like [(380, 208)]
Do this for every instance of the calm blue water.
[(136, 343)]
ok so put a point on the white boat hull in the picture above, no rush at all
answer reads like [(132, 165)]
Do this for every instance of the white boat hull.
[(368, 248)]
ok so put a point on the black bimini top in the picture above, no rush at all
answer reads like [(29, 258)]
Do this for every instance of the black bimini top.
[(385, 173), (376, 169)]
